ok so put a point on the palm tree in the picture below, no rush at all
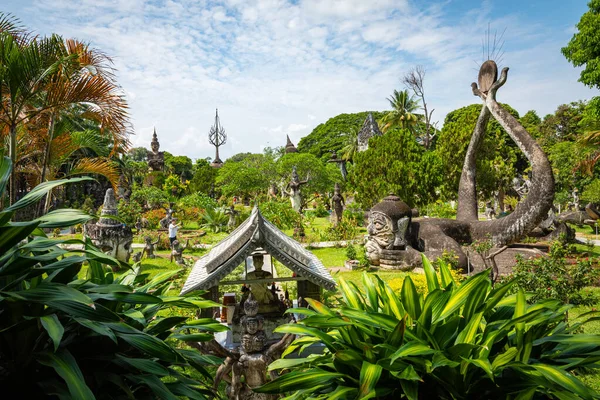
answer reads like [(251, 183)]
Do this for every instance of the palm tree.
[(351, 144), (402, 113)]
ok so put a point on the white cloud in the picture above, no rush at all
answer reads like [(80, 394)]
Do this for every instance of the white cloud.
[(277, 67)]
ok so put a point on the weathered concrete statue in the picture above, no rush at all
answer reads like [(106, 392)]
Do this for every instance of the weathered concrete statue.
[(232, 222), (166, 220), (246, 367), (108, 234), (293, 190), (156, 159), (337, 203), (177, 252), (388, 243), (340, 162), (149, 247)]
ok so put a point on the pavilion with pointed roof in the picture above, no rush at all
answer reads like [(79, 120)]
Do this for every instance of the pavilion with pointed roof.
[(257, 233), (368, 130)]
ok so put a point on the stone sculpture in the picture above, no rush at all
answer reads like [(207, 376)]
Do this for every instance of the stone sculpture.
[(245, 368), (337, 203), (293, 190), (368, 130), (340, 162), (108, 234), (435, 236), (289, 146), (177, 252), (149, 247), (156, 159), (232, 222), (166, 220), (490, 213), (388, 241)]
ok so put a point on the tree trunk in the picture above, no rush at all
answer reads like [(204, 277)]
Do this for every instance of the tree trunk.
[(45, 163), (13, 158)]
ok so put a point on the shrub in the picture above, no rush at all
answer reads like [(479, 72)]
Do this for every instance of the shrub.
[(149, 197), (320, 212), (356, 216), (154, 217), (129, 211), (281, 214), (214, 219), (460, 341), (173, 186), (439, 209), (553, 277), (344, 230), (197, 200), (100, 337), (350, 252)]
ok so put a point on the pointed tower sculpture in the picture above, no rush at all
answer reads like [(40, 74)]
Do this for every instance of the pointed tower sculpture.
[(217, 137), (289, 146), (368, 130)]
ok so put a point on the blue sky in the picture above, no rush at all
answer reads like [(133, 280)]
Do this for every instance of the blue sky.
[(277, 67)]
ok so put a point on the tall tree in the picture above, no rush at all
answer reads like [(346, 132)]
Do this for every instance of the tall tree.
[(415, 81), (584, 47), (403, 112)]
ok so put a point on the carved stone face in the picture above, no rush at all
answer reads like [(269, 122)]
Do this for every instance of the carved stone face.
[(381, 229), (155, 146), (251, 325)]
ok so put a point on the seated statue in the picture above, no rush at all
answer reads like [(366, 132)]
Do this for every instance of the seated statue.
[(149, 247), (267, 300)]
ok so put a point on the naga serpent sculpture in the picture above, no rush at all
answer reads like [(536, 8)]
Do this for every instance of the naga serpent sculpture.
[(435, 235)]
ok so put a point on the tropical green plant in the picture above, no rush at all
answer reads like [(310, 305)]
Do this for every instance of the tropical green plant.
[(403, 112), (214, 219), (149, 197), (129, 211), (460, 341), (350, 252), (68, 334), (281, 214)]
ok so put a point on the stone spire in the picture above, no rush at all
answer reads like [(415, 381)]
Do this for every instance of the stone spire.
[(154, 141), (217, 137), (109, 209), (368, 130), (289, 146)]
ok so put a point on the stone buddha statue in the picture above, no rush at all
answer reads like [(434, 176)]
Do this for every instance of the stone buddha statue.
[(156, 159), (265, 297)]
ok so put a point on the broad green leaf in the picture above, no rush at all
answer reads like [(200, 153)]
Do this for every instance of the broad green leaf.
[(298, 329), (484, 364), (150, 345), (497, 294), (412, 349), (66, 367), (504, 358), (38, 192), (371, 289), (409, 374), (320, 307), (468, 334), (51, 292), (5, 168), (342, 393), (410, 389), (14, 232), (155, 384), (286, 363), (445, 273), (144, 365), (564, 379), (410, 298), (300, 380), (351, 295), (430, 275), (459, 295), (54, 328), (369, 376), (63, 218), (98, 327), (194, 337)]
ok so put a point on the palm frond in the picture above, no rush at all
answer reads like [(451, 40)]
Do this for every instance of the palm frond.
[(99, 165)]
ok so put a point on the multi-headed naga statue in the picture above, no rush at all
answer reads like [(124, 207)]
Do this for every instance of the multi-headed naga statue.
[(433, 236)]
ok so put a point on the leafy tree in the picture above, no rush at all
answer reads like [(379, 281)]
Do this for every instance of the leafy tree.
[(238, 157), (181, 166), (204, 177), (334, 134), (584, 47), (531, 122), (138, 153), (403, 112), (563, 125), (565, 157), (249, 177), (395, 163), (173, 186), (498, 157), (149, 197)]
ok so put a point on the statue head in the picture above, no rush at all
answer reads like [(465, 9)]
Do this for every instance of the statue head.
[(148, 239), (295, 177), (175, 245), (258, 260), (251, 306), (337, 189), (154, 145), (388, 222)]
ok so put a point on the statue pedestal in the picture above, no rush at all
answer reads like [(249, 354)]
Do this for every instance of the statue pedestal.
[(404, 260)]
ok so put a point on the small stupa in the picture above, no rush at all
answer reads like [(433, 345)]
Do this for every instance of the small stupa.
[(289, 146), (108, 234)]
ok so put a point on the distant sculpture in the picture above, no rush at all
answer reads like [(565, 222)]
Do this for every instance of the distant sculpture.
[(156, 159), (293, 190), (246, 368), (124, 189), (108, 234), (266, 299), (388, 230), (341, 163), (149, 247), (368, 130), (232, 222), (490, 213), (137, 257), (289, 146), (521, 186), (337, 202), (177, 252), (574, 205), (273, 190), (217, 137), (166, 220)]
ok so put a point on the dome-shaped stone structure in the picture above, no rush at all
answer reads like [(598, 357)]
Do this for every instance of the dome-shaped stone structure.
[(393, 207)]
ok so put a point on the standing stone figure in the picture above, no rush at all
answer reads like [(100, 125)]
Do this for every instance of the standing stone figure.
[(337, 203), (246, 368), (149, 247), (489, 211), (232, 222), (293, 190), (166, 220), (177, 252), (156, 159)]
